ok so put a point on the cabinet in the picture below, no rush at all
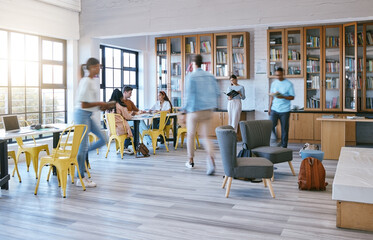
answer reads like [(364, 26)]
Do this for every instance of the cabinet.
[(175, 88), (367, 104), (162, 46), (232, 55), (221, 119), (301, 126)]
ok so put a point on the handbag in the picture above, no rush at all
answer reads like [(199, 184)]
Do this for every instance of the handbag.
[(143, 150), (245, 152)]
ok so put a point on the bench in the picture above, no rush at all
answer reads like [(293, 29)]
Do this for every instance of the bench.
[(353, 188)]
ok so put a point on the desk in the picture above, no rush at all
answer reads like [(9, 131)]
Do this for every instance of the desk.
[(333, 135), (136, 119), (4, 175)]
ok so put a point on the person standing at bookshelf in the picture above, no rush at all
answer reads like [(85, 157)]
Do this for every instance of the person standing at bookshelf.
[(234, 102), (202, 94), (281, 93)]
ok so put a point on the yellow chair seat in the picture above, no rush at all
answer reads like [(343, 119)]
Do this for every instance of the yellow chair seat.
[(12, 154), (154, 133), (181, 134)]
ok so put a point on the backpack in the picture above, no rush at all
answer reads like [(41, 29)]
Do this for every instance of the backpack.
[(245, 152), (142, 149), (311, 175)]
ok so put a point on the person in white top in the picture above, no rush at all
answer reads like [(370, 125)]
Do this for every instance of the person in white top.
[(234, 103), (87, 103), (163, 104)]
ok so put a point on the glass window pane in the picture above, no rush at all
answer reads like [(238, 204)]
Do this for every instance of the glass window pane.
[(117, 54), (3, 44), (47, 100), (117, 78), (47, 73), (126, 59), (3, 100), (59, 100), (133, 78), (47, 50), (109, 77), (32, 74), (126, 78), (108, 57), (17, 73), (108, 92), (18, 100), (17, 44), (32, 118), (32, 99), (59, 117), (133, 60), (3, 73), (21, 119), (134, 96), (47, 118), (57, 74), (32, 48), (57, 51)]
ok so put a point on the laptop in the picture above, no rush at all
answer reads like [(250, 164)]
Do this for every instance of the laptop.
[(11, 124)]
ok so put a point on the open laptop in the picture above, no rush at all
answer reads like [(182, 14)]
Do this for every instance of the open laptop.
[(11, 125)]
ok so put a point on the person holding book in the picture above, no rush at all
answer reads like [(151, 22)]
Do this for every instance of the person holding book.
[(235, 93), (281, 93), (202, 94)]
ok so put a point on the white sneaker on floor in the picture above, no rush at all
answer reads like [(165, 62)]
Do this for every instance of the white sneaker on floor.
[(87, 183), (128, 151), (210, 166), (189, 165)]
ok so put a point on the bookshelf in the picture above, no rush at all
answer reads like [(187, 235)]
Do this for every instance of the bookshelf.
[(191, 50), (206, 49), (162, 47), (294, 52), (175, 92), (367, 97), (222, 59), (275, 49)]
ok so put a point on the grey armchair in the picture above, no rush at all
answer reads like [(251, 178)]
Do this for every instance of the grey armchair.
[(252, 167), (257, 135)]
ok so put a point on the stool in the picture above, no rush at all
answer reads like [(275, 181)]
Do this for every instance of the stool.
[(312, 153)]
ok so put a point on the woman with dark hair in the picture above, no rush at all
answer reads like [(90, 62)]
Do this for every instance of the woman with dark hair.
[(121, 108), (88, 103), (163, 104)]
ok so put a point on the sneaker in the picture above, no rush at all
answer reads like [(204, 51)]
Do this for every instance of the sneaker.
[(189, 165), (128, 151), (210, 166), (87, 183)]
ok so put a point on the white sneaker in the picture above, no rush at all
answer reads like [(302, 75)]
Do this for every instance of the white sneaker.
[(128, 151), (87, 183), (210, 166), (189, 165)]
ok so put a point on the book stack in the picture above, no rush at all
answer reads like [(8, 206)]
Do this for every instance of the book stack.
[(238, 58), (275, 54), (293, 70), (350, 64), (238, 71), (313, 102), (369, 83), (332, 66), (360, 38), (176, 69), (369, 38), (206, 66), (221, 57), (332, 83), (221, 71), (369, 102), (205, 47), (313, 65), (332, 41), (240, 42), (350, 39), (293, 55), (370, 65), (162, 48), (313, 41), (190, 47), (313, 83)]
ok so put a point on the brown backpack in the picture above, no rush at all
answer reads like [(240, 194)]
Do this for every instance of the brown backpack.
[(311, 175), (142, 149)]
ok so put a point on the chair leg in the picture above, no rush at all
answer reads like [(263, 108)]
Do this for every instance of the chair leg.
[(265, 182), (72, 170), (154, 143), (63, 176), (35, 164), (16, 168), (108, 147), (165, 143), (228, 187), (121, 149), (80, 176), (133, 146), (37, 183), (49, 173), (86, 168), (270, 187), (291, 168), (224, 181), (177, 140)]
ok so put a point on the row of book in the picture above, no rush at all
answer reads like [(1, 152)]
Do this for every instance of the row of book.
[(221, 71), (176, 69), (240, 42), (369, 38), (350, 64), (333, 103), (293, 55), (332, 41), (294, 70), (332, 66), (369, 103), (162, 48), (313, 65), (370, 65), (313, 83), (350, 38), (238, 58), (221, 57), (190, 47), (238, 71), (313, 102), (275, 54), (313, 41), (206, 47), (369, 83), (332, 83), (351, 82), (206, 66)]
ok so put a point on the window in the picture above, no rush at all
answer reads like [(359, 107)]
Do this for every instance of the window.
[(32, 77), (119, 68)]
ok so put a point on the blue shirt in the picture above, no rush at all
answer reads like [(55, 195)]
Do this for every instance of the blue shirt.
[(286, 88), (201, 91), (239, 88)]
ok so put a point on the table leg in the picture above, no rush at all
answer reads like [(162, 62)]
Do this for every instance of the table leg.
[(56, 138), (4, 176), (333, 136), (136, 130), (175, 130)]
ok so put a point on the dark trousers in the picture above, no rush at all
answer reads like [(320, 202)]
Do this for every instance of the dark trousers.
[(284, 120), (128, 142)]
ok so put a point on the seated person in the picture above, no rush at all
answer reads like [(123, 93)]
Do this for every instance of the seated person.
[(163, 104), (121, 108)]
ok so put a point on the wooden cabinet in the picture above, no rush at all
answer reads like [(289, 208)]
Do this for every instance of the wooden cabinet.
[(301, 126), (221, 119)]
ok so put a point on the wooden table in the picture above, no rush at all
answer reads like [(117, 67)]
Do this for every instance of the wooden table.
[(333, 135), (56, 129)]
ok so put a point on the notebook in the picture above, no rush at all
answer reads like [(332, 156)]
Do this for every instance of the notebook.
[(11, 124)]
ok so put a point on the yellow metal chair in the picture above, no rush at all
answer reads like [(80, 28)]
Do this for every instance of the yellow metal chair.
[(119, 139), (12, 154), (181, 134), (93, 138), (154, 133), (32, 153), (63, 160)]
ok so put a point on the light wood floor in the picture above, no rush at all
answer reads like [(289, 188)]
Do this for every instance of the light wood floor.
[(158, 198)]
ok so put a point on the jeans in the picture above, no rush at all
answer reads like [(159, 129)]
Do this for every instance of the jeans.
[(84, 117), (142, 127), (127, 142), (284, 120)]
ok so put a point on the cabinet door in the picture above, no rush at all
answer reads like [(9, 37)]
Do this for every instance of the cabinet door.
[(275, 49), (292, 122), (294, 52), (303, 128), (176, 69), (190, 49), (217, 119), (240, 55), (162, 46), (368, 75), (317, 126), (221, 44), (206, 46)]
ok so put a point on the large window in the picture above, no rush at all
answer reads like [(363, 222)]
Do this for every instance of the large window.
[(119, 68), (32, 77)]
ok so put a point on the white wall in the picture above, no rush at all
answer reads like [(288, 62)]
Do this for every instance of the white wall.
[(125, 19)]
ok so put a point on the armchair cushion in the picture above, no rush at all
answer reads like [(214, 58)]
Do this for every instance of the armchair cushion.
[(274, 154), (253, 167)]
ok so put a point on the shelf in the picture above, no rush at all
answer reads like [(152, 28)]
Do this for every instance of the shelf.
[(332, 89), (313, 48), (175, 54), (332, 72), (159, 54), (208, 53), (332, 47), (293, 44), (275, 45), (190, 53), (221, 63), (312, 89), (294, 60), (221, 47), (275, 60), (238, 47), (313, 72)]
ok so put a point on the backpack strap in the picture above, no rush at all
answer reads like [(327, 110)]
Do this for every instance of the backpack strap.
[(309, 173)]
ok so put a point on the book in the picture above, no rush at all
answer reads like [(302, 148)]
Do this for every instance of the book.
[(276, 94), (232, 93)]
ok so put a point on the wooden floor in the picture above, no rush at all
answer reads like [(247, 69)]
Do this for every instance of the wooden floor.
[(158, 198)]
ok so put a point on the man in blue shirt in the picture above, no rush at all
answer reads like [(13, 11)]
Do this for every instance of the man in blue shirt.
[(281, 93), (201, 94)]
